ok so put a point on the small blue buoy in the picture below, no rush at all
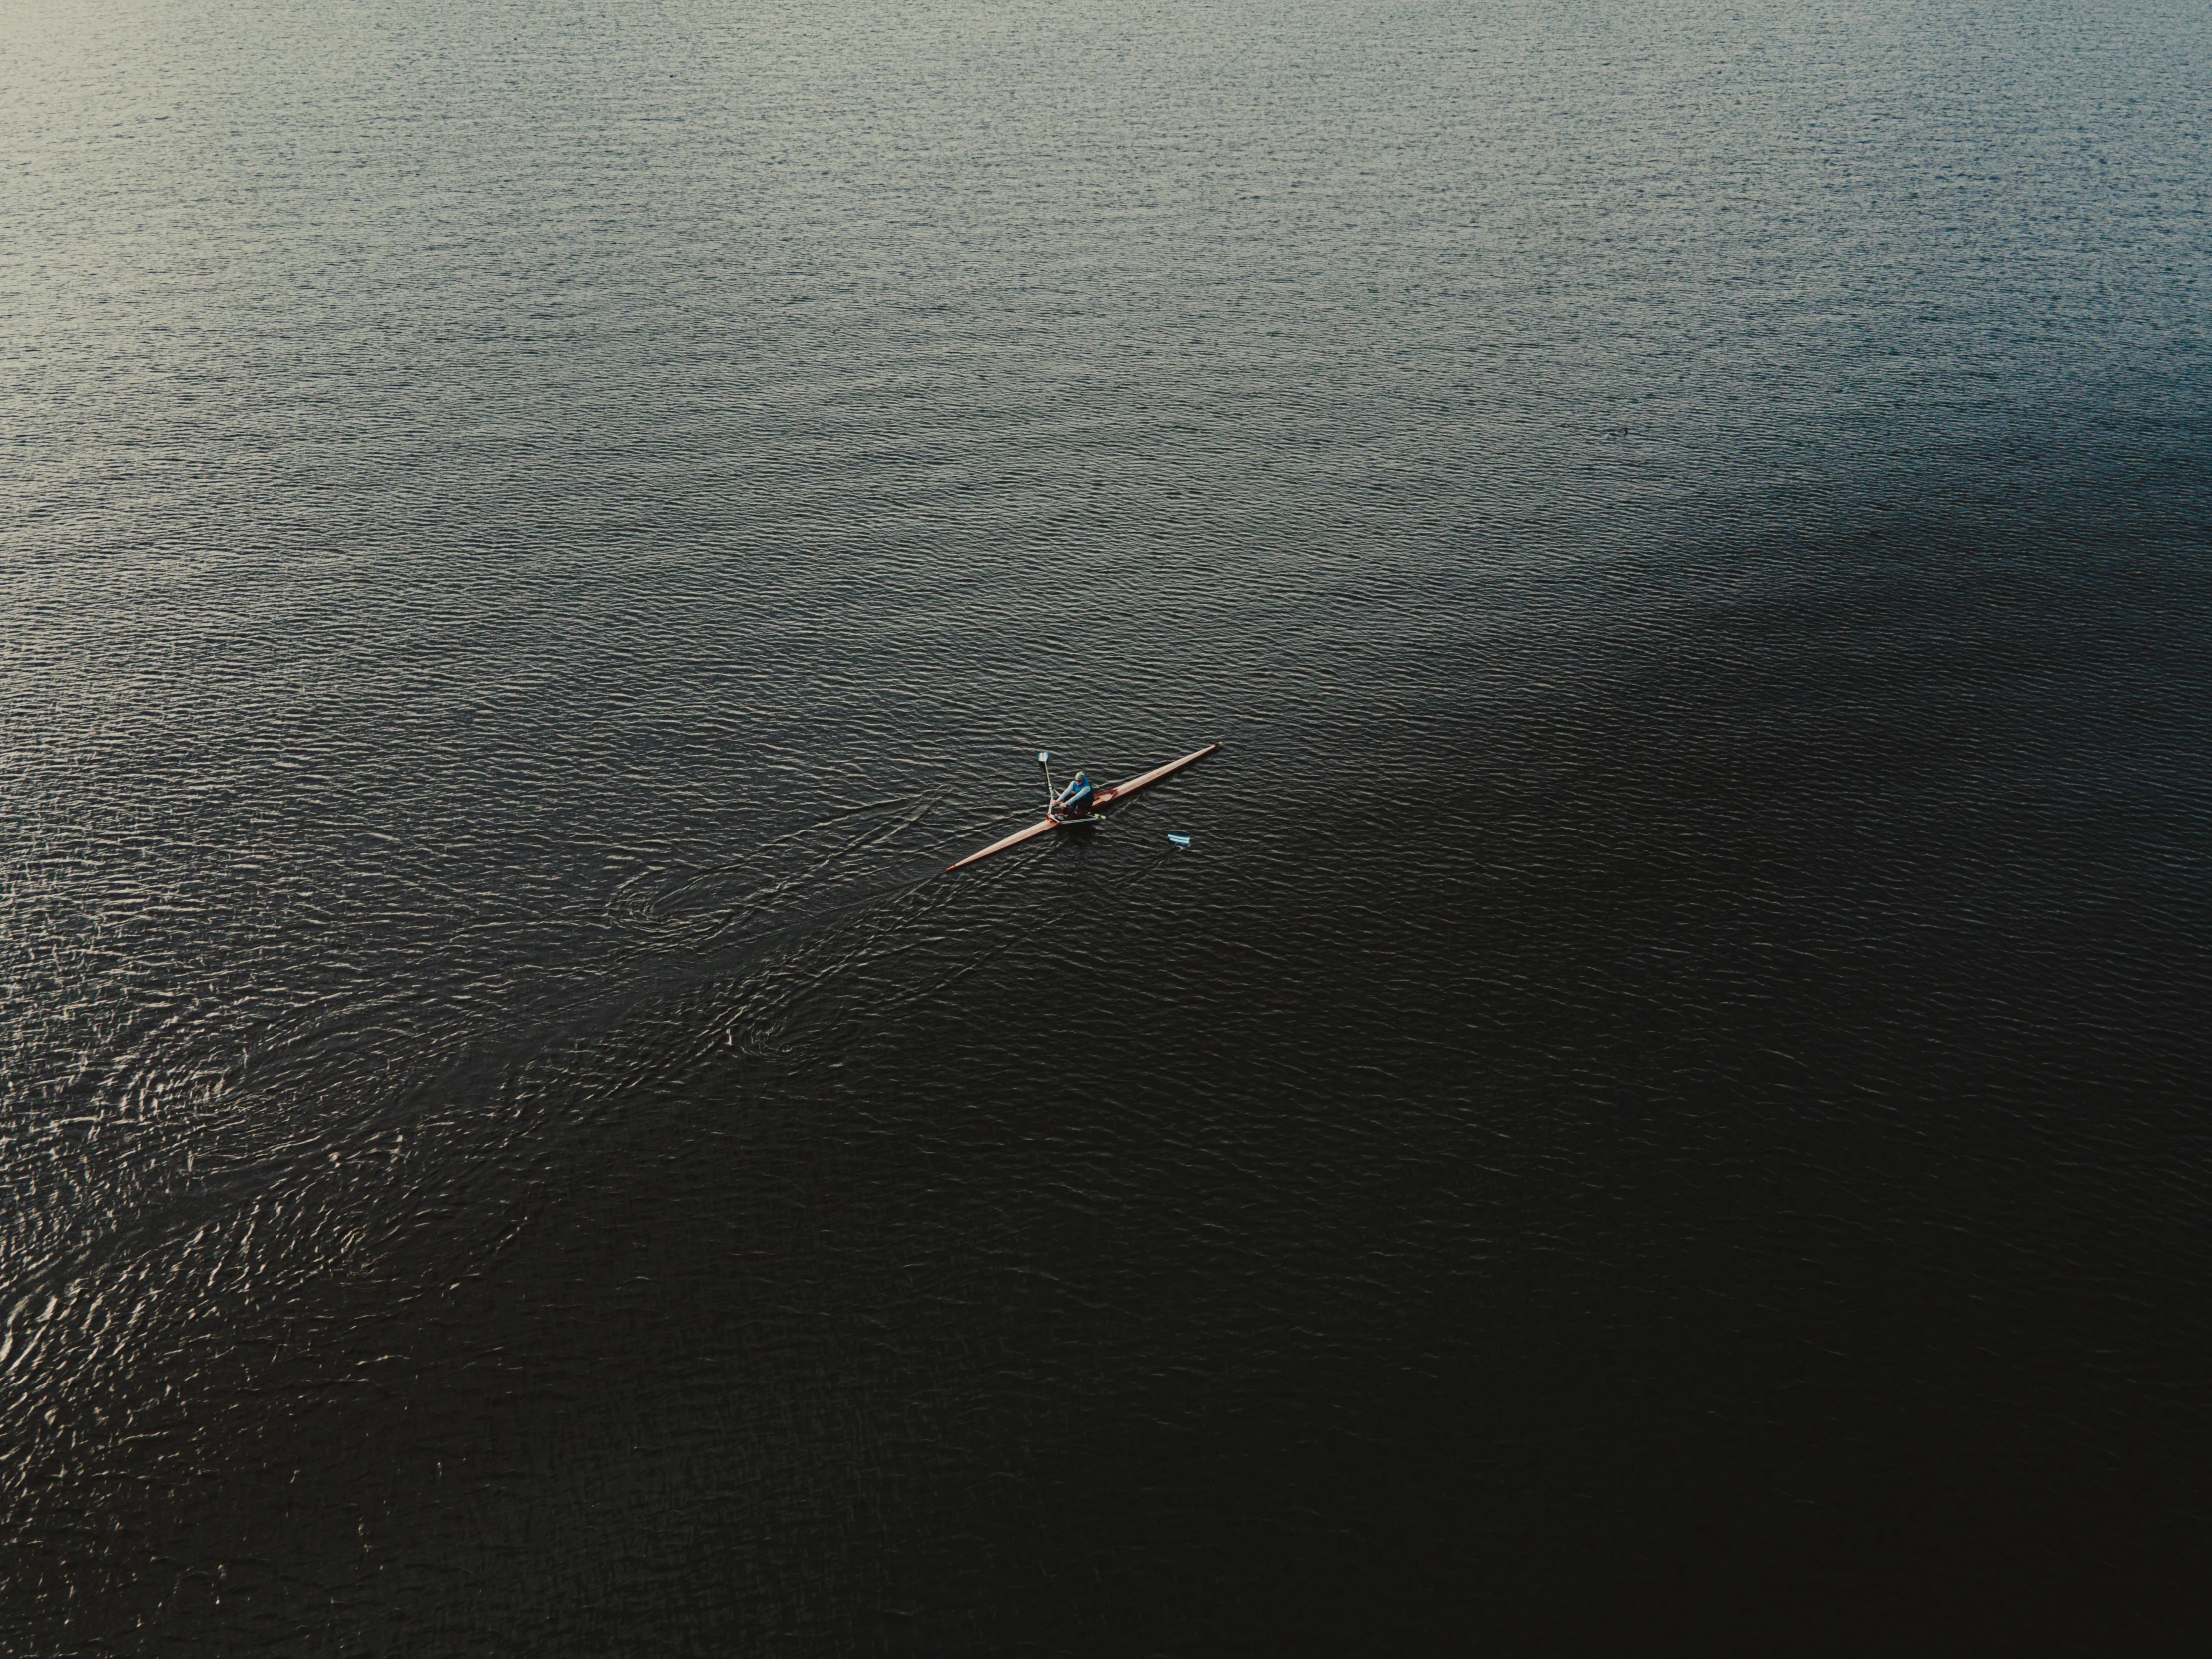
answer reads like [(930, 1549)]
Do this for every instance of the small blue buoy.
[(1180, 840)]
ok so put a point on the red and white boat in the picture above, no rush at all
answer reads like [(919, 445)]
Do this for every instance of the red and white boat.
[(1079, 802)]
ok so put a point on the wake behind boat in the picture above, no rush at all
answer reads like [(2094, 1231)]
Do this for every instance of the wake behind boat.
[(1080, 802)]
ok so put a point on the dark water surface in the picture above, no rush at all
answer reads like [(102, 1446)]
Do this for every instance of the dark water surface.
[(1665, 1106)]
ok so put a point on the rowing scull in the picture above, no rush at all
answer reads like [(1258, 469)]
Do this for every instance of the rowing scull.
[(1103, 798)]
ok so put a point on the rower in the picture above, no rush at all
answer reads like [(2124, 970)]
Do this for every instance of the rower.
[(1069, 805)]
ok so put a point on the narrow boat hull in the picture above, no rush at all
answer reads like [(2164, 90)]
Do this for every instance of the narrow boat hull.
[(1101, 799)]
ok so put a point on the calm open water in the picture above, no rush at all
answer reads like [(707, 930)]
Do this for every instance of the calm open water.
[(1665, 1108)]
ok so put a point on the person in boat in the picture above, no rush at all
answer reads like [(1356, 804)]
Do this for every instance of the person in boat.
[(1075, 800)]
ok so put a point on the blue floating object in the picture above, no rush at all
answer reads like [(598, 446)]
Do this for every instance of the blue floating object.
[(1180, 840)]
